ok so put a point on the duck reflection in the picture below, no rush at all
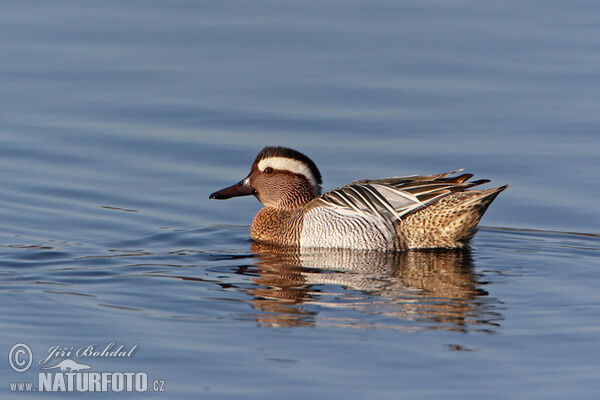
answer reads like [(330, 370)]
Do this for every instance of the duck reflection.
[(411, 290)]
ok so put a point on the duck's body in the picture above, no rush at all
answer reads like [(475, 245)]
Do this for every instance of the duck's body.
[(432, 211)]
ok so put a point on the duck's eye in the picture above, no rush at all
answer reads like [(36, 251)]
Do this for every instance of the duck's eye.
[(268, 170)]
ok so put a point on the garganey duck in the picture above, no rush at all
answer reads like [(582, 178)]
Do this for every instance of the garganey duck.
[(413, 212)]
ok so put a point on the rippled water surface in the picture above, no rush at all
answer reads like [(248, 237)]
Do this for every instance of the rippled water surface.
[(117, 119)]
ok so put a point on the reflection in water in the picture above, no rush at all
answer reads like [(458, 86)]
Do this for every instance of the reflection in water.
[(414, 290)]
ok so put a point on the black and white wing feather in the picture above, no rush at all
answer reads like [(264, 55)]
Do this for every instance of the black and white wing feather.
[(393, 198)]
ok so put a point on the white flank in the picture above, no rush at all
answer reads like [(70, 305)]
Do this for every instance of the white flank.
[(292, 165), (345, 228)]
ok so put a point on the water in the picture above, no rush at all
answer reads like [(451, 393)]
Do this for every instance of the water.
[(118, 119)]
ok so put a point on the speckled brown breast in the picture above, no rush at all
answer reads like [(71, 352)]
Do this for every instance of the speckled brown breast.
[(275, 226)]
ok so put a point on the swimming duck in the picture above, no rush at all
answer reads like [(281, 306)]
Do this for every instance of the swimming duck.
[(412, 212)]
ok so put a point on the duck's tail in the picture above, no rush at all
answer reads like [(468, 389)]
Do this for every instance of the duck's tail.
[(449, 223)]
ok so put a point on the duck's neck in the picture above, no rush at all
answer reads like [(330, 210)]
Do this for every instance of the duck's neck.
[(278, 226), (295, 199)]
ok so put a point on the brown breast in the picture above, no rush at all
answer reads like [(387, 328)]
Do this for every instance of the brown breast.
[(280, 227)]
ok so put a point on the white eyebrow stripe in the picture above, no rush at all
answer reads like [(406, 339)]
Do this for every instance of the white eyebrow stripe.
[(289, 164)]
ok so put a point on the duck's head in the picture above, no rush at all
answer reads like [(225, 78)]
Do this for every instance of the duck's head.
[(280, 177)]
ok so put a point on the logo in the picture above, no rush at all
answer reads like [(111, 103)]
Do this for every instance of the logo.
[(69, 375), (20, 357), (69, 366)]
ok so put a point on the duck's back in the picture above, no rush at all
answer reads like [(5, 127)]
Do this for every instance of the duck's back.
[(397, 214)]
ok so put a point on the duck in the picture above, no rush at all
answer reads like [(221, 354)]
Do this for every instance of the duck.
[(392, 214)]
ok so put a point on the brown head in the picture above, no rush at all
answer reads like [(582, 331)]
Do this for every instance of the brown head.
[(280, 177)]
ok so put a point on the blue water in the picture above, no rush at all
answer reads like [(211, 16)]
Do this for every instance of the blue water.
[(118, 119)]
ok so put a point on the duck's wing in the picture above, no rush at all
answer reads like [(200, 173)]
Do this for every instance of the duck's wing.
[(393, 198)]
